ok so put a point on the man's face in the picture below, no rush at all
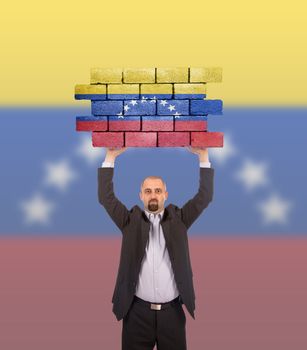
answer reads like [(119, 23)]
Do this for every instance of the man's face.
[(153, 195)]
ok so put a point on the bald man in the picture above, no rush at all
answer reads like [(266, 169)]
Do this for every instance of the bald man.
[(155, 275)]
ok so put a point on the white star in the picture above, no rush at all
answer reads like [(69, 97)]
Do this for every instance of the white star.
[(37, 209), (59, 174), (120, 114), (275, 209), (133, 102), (144, 99), (177, 115), (171, 108), (163, 102), (252, 174), (221, 154), (86, 150), (153, 99), (126, 108)]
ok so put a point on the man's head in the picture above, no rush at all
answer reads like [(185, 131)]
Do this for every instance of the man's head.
[(153, 193)]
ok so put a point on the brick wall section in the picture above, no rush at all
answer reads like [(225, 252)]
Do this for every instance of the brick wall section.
[(150, 107)]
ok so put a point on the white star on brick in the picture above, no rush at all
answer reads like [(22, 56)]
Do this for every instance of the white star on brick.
[(37, 209), (275, 210), (163, 102), (252, 174), (177, 115), (59, 174), (144, 99), (126, 108), (171, 107), (133, 102)]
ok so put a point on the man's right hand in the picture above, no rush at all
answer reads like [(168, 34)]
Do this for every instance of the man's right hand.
[(113, 152)]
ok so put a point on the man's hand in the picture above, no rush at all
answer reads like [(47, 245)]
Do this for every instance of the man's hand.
[(201, 151), (113, 152)]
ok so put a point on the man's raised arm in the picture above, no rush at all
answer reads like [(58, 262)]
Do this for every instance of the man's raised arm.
[(114, 207), (193, 208)]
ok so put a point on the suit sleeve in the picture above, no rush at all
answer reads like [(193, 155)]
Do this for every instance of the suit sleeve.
[(194, 207), (114, 207)]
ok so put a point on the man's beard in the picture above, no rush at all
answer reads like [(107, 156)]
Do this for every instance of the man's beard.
[(153, 206)]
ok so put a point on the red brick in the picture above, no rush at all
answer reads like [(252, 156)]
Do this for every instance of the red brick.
[(207, 139), (173, 139), (107, 139), (92, 125), (193, 125), (140, 139), (119, 125), (157, 125)]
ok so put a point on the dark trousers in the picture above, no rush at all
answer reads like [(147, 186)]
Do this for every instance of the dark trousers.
[(143, 327)]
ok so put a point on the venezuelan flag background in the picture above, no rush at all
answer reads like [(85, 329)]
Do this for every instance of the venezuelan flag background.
[(59, 251)]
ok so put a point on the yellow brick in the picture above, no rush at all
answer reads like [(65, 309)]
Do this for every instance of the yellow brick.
[(190, 88), (106, 75), (90, 89), (173, 75), (139, 75), (206, 75), (156, 89), (123, 89)]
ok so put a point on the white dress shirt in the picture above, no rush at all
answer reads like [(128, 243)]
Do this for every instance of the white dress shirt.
[(156, 281)]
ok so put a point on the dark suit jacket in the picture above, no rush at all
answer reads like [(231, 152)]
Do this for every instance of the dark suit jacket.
[(135, 225)]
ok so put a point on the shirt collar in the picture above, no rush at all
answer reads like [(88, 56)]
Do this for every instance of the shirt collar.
[(148, 213)]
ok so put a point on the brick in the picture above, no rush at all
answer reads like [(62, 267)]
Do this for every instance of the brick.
[(173, 139), (158, 91), (140, 139), (173, 75), (107, 139), (106, 75), (206, 75), (201, 107), (158, 123), (91, 123), (207, 139), (190, 123), (124, 124), (90, 92), (107, 107), (189, 91), (123, 91), (139, 75), (173, 107), (140, 107)]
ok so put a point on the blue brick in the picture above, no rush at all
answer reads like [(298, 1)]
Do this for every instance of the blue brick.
[(189, 96), (123, 96), (90, 96), (158, 118), (200, 107), (171, 107), (124, 118), (107, 107), (157, 96), (140, 107), (192, 118), (91, 119)]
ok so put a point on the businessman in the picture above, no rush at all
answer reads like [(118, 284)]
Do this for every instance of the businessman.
[(155, 275)]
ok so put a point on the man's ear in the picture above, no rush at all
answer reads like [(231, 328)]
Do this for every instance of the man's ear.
[(166, 195)]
